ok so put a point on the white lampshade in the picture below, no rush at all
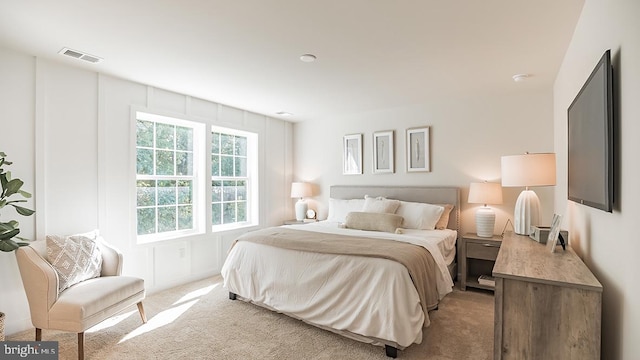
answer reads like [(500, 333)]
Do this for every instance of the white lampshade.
[(528, 170), (485, 193), (300, 190)]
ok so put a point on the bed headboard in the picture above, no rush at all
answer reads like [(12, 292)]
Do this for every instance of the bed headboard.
[(424, 194)]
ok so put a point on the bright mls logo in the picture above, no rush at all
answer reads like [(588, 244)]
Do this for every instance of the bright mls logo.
[(42, 350)]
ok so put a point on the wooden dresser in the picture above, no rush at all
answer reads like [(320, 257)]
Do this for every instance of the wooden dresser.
[(547, 305)]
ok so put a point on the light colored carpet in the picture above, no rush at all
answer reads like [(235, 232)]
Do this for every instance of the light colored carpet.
[(198, 321)]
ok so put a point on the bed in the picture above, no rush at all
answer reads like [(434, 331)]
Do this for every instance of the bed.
[(377, 287)]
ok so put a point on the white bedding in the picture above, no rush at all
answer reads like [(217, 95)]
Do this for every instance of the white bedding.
[(371, 297)]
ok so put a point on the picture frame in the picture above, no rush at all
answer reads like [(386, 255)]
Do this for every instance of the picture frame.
[(554, 231), (418, 149), (352, 154), (383, 157)]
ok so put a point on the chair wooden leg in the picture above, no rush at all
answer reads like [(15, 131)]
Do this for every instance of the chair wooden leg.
[(141, 310), (38, 334), (81, 346)]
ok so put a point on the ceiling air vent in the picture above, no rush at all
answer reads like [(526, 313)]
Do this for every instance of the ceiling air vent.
[(80, 55)]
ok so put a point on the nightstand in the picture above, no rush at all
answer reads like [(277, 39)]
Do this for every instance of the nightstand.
[(477, 257), (296, 222)]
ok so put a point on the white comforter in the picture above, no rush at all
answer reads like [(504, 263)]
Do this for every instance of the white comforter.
[(370, 298)]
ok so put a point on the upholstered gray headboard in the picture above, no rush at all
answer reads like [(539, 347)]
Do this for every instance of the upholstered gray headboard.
[(424, 194)]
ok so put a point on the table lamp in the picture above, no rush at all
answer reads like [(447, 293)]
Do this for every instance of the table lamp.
[(485, 193), (528, 170), (300, 190)]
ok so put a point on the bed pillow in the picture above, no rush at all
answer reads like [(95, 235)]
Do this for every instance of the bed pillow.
[(444, 218), (380, 205), (419, 215), (339, 208), (373, 221), (75, 257)]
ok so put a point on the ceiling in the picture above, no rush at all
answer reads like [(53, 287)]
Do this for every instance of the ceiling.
[(371, 54)]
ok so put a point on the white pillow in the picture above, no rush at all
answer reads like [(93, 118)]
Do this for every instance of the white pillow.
[(75, 257), (419, 215), (380, 205), (339, 208)]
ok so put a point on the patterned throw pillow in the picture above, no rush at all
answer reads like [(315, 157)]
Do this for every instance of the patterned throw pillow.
[(75, 258)]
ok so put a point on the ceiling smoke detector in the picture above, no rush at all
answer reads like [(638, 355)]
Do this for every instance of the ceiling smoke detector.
[(308, 58), (520, 77), (80, 55)]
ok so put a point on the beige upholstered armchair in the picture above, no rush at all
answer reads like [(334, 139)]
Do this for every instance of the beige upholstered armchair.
[(82, 305)]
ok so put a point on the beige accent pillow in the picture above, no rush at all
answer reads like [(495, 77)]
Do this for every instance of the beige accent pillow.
[(419, 215), (373, 221), (444, 218), (380, 205), (75, 258)]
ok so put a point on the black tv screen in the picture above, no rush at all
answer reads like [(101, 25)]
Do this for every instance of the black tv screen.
[(590, 126)]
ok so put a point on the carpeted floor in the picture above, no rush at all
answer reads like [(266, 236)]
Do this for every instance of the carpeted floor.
[(198, 321)]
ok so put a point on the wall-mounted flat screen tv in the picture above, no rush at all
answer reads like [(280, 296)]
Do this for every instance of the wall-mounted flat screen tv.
[(590, 125)]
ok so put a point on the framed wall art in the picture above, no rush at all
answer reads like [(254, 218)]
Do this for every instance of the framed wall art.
[(418, 149), (383, 152), (352, 154)]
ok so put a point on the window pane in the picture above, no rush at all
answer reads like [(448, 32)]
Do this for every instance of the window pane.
[(184, 138), (146, 221), (146, 190), (166, 219), (242, 211), (242, 190), (144, 133), (216, 191), (215, 165), (166, 192), (229, 212), (185, 217), (226, 144), (229, 191), (164, 162), (226, 166), (184, 163), (215, 143), (144, 162), (216, 214), (241, 146), (185, 192), (164, 136), (241, 167)]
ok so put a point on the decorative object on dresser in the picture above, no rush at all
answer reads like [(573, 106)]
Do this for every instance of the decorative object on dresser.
[(476, 257), (352, 154), (485, 193), (554, 234), (547, 306), (301, 190), (383, 159), (418, 149), (528, 170)]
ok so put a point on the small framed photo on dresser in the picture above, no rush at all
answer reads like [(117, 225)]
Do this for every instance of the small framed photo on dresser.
[(552, 240)]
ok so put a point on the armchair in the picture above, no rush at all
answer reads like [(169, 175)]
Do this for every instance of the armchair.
[(80, 306)]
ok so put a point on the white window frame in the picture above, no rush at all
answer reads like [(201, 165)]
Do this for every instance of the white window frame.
[(251, 178), (199, 174)]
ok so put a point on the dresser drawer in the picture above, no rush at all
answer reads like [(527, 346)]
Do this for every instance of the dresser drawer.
[(484, 251)]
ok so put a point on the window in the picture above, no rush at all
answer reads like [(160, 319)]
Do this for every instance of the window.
[(167, 164), (233, 177)]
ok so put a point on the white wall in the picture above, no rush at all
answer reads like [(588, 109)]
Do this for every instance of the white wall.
[(607, 242), (468, 137), (69, 132)]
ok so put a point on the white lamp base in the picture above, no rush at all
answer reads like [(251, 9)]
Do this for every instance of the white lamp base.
[(527, 212), (301, 209), (485, 221)]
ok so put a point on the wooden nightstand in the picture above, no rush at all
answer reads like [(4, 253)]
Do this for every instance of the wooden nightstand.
[(296, 222), (477, 257)]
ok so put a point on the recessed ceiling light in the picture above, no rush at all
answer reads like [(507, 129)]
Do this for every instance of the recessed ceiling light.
[(520, 77), (308, 57), (283, 113)]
